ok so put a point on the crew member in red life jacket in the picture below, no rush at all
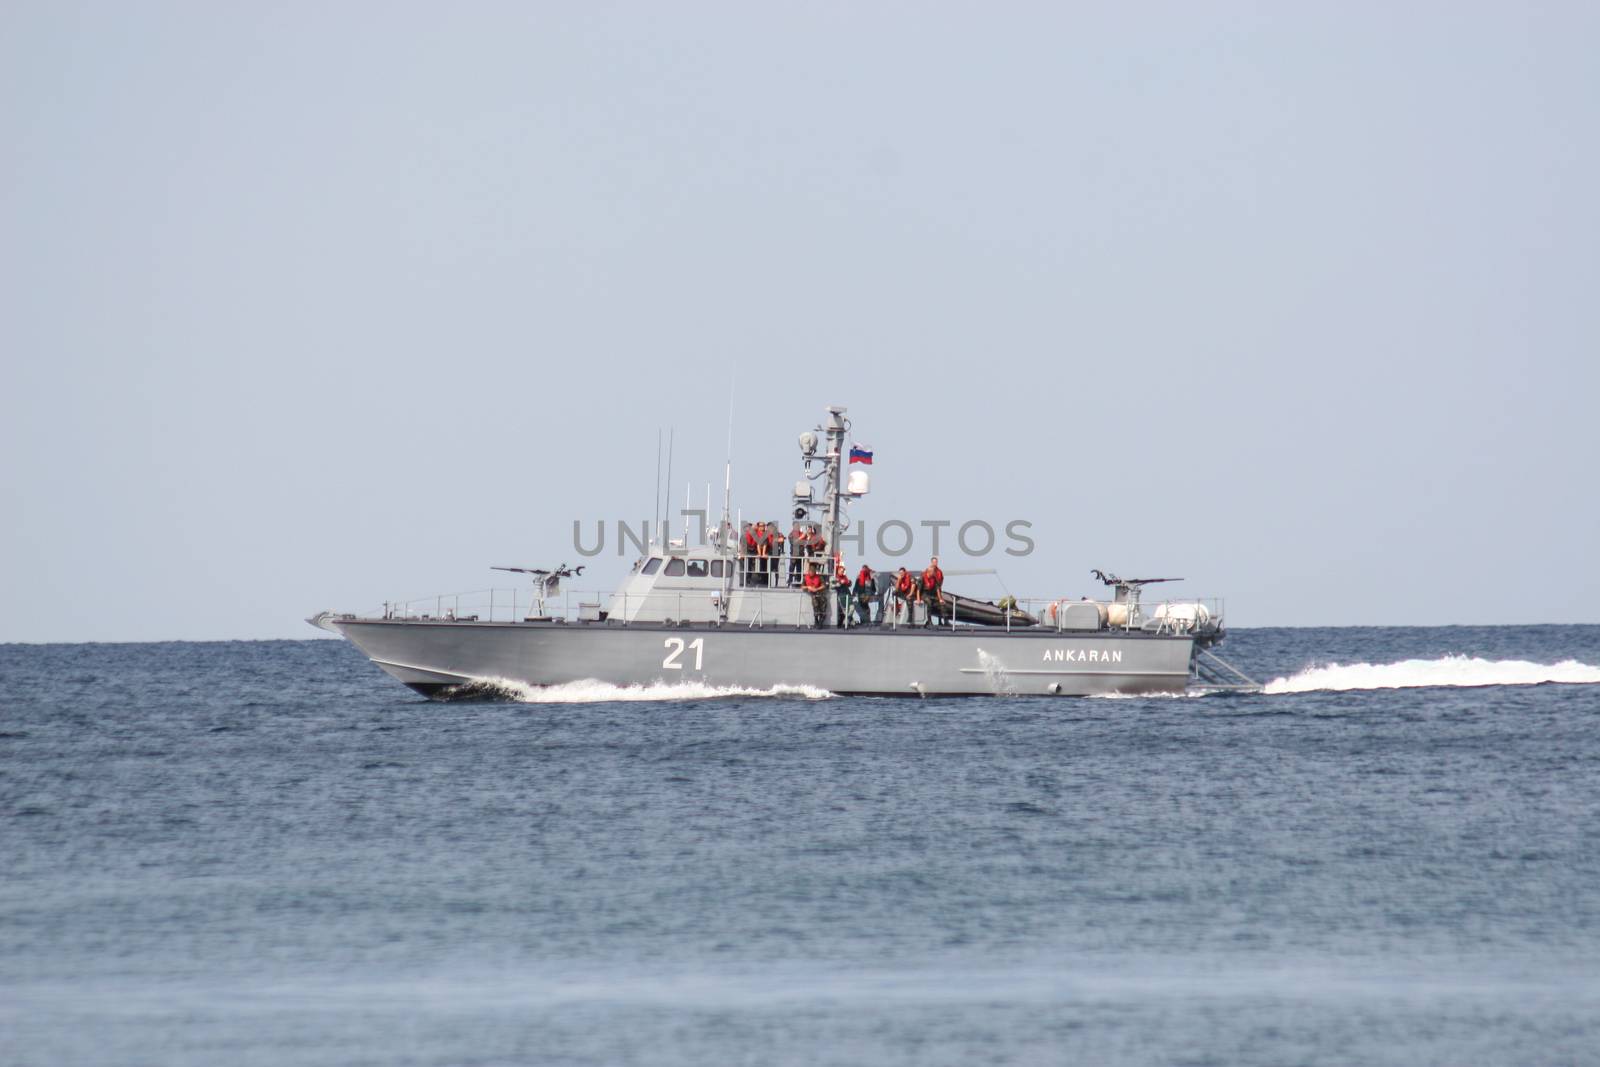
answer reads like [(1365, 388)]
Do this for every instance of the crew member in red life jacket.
[(904, 593), (763, 553), (774, 555), (819, 544), (865, 593), (933, 590), (748, 544), (797, 549), (818, 592), (841, 592)]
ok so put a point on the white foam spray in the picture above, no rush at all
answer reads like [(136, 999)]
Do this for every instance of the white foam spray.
[(1445, 671), (994, 673), (590, 691)]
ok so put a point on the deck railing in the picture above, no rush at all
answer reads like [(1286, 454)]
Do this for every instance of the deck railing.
[(518, 604)]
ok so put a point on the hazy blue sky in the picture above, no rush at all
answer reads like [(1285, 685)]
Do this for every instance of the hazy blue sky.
[(307, 306)]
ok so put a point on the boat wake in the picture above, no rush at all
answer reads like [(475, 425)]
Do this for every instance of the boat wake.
[(590, 691), (1461, 671)]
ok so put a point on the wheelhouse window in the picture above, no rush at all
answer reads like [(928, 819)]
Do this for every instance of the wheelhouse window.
[(674, 568), (717, 568), (697, 568), (652, 565)]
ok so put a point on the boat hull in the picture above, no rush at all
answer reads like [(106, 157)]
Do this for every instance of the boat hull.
[(440, 657)]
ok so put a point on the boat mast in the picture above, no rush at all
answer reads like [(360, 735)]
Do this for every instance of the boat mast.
[(655, 509), (725, 532), (666, 504), (836, 428)]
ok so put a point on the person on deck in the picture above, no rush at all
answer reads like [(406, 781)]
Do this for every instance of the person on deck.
[(882, 582), (818, 545), (866, 591), (841, 593), (933, 590), (774, 554), (904, 592), (761, 549), (818, 593), (797, 551), (747, 549)]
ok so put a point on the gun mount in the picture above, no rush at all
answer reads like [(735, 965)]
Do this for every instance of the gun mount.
[(1127, 589), (546, 580)]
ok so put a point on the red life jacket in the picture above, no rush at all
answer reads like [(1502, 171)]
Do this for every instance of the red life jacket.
[(902, 584), (750, 540), (813, 581)]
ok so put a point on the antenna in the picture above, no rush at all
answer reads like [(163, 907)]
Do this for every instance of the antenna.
[(665, 532), (730, 419), (656, 508), (726, 533), (727, 468)]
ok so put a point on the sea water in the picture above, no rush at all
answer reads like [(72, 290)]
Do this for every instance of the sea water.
[(271, 853)]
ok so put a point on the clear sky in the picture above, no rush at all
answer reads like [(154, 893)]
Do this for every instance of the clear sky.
[(308, 306)]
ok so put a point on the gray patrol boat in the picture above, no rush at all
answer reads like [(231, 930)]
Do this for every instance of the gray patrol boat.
[(710, 614)]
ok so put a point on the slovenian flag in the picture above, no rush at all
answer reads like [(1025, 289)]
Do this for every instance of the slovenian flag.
[(860, 455)]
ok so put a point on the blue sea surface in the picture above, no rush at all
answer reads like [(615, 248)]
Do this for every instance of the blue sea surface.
[(271, 853)]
